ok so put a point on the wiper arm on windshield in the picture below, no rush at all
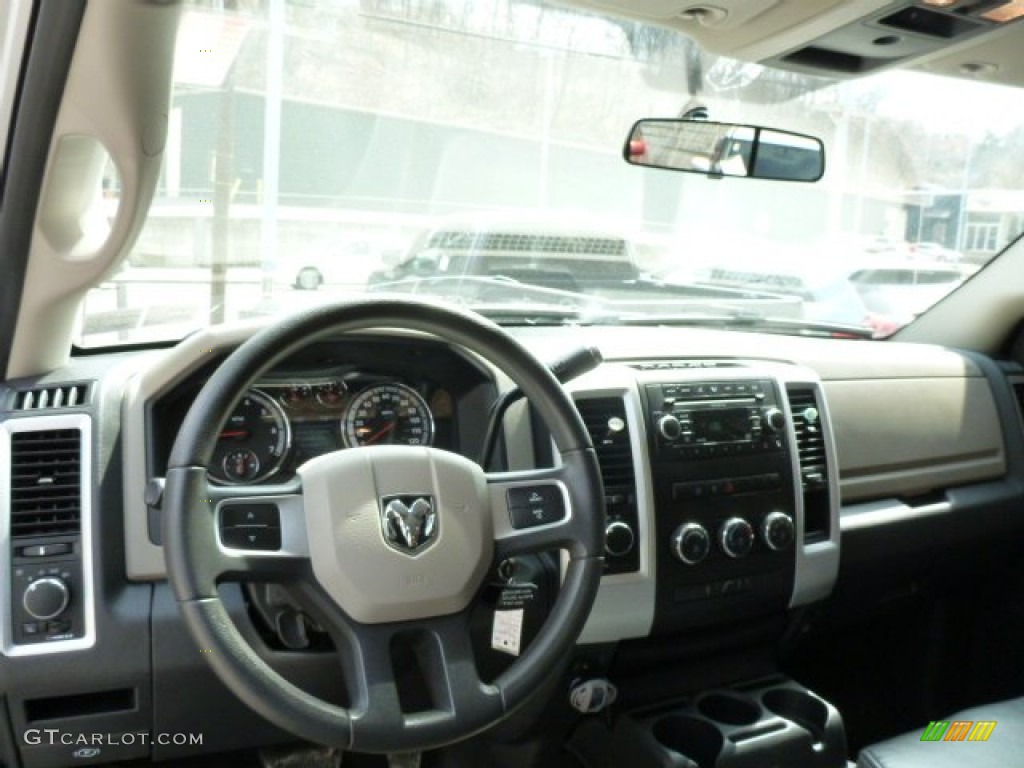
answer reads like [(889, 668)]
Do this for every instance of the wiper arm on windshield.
[(743, 320)]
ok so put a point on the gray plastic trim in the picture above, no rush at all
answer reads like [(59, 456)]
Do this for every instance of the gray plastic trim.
[(624, 607), (83, 423)]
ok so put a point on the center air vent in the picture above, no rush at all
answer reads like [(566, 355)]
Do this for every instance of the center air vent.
[(605, 419), (810, 442), (45, 398), (46, 482)]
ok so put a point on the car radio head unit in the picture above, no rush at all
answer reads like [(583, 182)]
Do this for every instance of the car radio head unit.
[(695, 421)]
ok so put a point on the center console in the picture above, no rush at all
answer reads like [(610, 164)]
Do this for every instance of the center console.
[(726, 497), (733, 496)]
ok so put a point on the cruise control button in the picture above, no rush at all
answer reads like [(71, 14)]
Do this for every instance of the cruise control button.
[(252, 537), (534, 495), (530, 517), (249, 514)]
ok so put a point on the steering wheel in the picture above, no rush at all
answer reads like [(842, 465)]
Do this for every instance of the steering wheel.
[(385, 543)]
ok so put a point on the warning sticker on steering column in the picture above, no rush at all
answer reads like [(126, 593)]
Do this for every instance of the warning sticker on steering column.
[(507, 631)]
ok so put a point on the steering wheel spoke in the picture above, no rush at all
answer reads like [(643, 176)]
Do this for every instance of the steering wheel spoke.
[(543, 510), (243, 533), (420, 674)]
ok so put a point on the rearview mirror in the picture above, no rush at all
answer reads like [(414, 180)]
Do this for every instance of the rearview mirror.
[(725, 149)]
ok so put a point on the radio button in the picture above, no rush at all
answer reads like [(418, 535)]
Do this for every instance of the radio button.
[(736, 537), (669, 427), (774, 419)]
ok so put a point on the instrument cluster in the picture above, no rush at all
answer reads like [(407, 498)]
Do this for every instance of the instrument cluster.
[(279, 424)]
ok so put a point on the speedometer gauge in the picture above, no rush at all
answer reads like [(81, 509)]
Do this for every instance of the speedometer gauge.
[(254, 442), (387, 414)]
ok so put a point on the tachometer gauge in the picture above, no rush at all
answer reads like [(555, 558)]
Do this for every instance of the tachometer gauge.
[(254, 442), (387, 414)]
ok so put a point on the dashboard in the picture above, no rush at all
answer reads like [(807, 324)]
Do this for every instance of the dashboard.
[(733, 484)]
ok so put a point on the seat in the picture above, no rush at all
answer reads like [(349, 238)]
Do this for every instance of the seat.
[(1004, 746)]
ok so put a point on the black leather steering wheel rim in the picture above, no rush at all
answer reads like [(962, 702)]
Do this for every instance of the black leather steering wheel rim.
[(194, 567)]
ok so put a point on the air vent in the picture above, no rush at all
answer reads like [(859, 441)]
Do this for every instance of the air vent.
[(48, 398), (605, 419), (46, 490), (810, 442)]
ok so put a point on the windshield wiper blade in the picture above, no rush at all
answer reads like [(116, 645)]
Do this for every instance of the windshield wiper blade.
[(752, 320)]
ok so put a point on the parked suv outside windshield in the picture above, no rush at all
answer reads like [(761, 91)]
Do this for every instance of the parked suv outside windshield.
[(335, 138)]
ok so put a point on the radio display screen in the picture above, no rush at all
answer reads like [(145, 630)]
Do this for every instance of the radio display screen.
[(721, 425)]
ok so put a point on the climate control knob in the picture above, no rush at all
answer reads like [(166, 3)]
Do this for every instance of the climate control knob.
[(736, 537), (46, 599), (618, 539), (669, 427), (691, 543), (778, 531), (774, 419)]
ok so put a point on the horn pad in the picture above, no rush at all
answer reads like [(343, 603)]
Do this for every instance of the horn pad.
[(397, 533)]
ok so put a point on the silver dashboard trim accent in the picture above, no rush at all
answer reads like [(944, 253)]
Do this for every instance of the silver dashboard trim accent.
[(34, 423), (817, 563), (624, 607)]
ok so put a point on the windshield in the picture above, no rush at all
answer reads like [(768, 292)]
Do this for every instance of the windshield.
[(473, 151)]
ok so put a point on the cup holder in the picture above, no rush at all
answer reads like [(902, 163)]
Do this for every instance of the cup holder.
[(696, 739), (809, 712), (729, 708)]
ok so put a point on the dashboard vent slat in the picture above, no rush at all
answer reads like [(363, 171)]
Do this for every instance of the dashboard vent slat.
[(46, 473), (614, 451), (49, 398)]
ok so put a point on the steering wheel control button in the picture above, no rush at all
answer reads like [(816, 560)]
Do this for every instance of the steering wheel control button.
[(252, 537), (736, 537), (46, 598), (691, 543), (234, 515), (778, 531), (533, 505), (251, 527)]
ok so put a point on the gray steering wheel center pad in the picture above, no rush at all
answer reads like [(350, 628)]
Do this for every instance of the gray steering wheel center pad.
[(375, 579)]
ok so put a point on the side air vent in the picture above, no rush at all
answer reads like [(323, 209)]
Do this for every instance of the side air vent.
[(608, 425), (47, 398), (810, 441), (46, 490), (605, 418)]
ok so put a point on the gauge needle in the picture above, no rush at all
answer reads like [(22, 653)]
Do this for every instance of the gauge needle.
[(376, 436), (235, 433)]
